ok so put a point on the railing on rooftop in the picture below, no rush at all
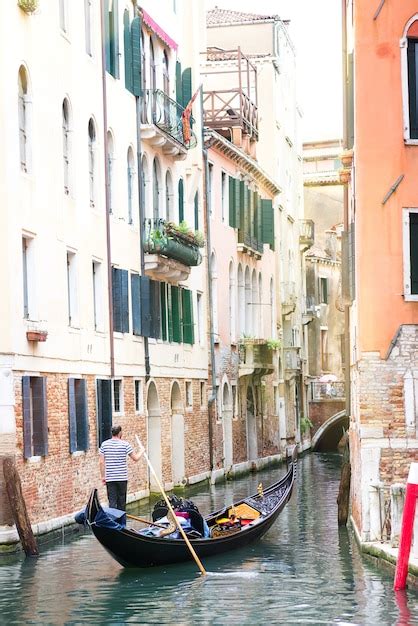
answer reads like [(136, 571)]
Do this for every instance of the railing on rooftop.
[(167, 115)]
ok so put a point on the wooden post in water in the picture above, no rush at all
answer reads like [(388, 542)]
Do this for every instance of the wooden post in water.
[(18, 507), (343, 499)]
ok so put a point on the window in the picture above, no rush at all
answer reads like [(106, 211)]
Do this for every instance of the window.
[(324, 349), (276, 400), (97, 296), (139, 402), (152, 73), (409, 52), (72, 289), (203, 394), (234, 400), (166, 74), (181, 200), (210, 187), (35, 418), (189, 394), (156, 189), (23, 111), (187, 316), (92, 162), (214, 293), (224, 192), (63, 15), (232, 303), (200, 335), (131, 177), (410, 253), (169, 203), (104, 409), (323, 290), (28, 279), (117, 396), (120, 299), (66, 145), (110, 160), (196, 211), (127, 40), (111, 19), (87, 25), (78, 415)]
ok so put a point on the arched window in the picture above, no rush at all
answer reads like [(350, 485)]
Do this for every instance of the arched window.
[(214, 290), (272, 311), (254, 305), (66, 144), (110, 174), (409, 54), (152, 72), (181, 200), (131, 179), (260, 308), (23, 109), (92, 162), (156, 185), (248, 297), (232, 303), (87, 24), (169, 199), (196, 210), (145, 186), (241, 301)]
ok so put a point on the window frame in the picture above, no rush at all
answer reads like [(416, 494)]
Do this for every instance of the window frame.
[(32, 414), (408, 296), (405, 82), (138, 397), (121, 397)]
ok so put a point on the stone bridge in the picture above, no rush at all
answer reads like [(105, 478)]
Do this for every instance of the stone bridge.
[(329, 420)]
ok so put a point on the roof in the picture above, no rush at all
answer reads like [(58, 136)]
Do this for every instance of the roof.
[(224, 17)]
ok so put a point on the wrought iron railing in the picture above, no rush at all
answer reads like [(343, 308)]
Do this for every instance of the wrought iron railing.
[(250, 242), (333, 390), (161, 237), (167, 115)]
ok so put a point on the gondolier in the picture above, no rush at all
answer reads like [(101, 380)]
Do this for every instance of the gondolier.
[(113, 463)]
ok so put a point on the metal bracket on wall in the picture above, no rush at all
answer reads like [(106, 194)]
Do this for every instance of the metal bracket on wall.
[(393, 188), (380, 7)]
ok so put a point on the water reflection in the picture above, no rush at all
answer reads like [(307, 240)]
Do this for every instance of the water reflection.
[(305, 571)]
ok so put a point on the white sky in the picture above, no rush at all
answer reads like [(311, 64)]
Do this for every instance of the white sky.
[(316, 32)]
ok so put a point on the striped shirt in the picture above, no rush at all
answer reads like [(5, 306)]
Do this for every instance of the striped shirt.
[(115, 452)]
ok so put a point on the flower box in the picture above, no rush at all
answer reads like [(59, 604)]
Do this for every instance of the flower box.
[(36, 335)]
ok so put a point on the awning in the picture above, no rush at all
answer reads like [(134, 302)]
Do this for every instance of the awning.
[(158, 30)]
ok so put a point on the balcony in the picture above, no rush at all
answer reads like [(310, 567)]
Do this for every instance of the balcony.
[(292, 360), (333, 390), (170, 252), (255, 357), (162, 124), (306, 234), (288, 297), (230, 96), (249, 245)]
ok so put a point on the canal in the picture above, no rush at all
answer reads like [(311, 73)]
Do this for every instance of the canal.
[(304, 571)]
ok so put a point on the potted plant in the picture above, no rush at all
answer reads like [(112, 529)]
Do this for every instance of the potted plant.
[(28, 6), (274, 344)]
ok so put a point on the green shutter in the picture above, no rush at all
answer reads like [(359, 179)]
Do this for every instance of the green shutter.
[(39, 416), (179, 90), (163, 304), (181, 200), (196, 211), (104, 409), (255, 214), (81, 414), (413, 251), (186, 86), (127, 42), (136, 304), (170, 313), (232, 203), (188, 325), (155, 309), (241, 205), (259, 219), (107, 33), (145, 290), (114, 39), (136, 56), (117, 299), (176, 314), (268, 222), (124, 301), (72, 416)]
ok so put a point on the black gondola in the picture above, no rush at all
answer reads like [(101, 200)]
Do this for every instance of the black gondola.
[(132, 549)]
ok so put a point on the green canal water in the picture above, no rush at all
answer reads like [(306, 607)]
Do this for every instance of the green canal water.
[(304, 571)]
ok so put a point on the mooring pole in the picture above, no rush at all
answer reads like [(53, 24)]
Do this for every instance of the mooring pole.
[(18, 507), (407, 528)]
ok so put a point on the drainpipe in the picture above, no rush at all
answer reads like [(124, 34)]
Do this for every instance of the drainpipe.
[(212, 397), (347, 350), (141, 207), (107, 193)]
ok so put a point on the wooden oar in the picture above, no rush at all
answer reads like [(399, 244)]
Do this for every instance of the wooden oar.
[(145, 521), (167, 501)]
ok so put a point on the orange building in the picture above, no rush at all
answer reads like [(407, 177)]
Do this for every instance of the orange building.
[(381, 228)]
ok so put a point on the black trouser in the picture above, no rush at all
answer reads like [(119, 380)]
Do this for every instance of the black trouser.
[(116, 493)]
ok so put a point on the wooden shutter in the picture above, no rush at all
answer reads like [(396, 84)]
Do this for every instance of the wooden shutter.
[(128, 51), (145, 291), (107, 34), (39, 416), (72, 416), (176, 314), (124, 301), (163, 305), (179, 90), (259, 219), (170, 313), (136, 304), (268, 222), (181, 200), (186, 86), (245, 207), (155, 309), (188, 325), (27, 417), (413, 248), (104, 409), (116, 299), (82, 414), (136, 57), (115, 38), (232, 203), (196, 211)]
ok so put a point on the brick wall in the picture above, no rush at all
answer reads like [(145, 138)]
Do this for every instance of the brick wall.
[(320, 412)]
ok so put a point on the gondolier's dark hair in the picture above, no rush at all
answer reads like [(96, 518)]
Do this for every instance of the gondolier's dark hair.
[(116, 430)]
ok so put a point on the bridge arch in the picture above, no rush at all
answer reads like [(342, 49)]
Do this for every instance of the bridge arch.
[(328, 435)]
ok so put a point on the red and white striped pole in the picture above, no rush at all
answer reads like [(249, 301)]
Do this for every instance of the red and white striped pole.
[(408, 517)]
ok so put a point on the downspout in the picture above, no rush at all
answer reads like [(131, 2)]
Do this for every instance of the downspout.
[(212, 397), (141, 208), (107, 193), (347, 357)]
